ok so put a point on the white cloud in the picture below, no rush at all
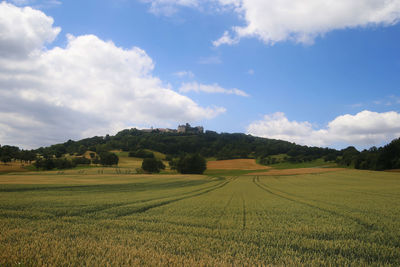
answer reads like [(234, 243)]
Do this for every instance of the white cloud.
[(365, 129), (24, 30), (89, 87), (184, 73), (226, 39), (302, 21), (298, 20), (206, 88)]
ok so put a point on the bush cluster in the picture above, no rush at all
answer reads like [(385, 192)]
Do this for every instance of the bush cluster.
[(152, 165)]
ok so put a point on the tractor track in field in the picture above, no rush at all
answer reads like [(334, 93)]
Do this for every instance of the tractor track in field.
[(163, 203), (335, 205), (93, 210), (228, 203), (223, 213), (367, 226), (244, 213), (222, 180), (111, 206)]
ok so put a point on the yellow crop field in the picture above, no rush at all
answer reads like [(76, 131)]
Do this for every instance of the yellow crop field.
[(345, 218), (15, 166), (235, 164)]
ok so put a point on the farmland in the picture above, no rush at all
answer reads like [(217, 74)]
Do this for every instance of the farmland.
[(342, 217), (235, 164)]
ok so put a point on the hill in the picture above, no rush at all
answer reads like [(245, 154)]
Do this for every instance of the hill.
[(208, 144), (220, 146)]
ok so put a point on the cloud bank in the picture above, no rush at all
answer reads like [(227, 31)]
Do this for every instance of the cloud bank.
[(300, 21), (365, 129), (90, 87)]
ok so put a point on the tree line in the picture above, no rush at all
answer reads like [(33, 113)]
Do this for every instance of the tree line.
[(48, 159), (210, 144), (383, 158)]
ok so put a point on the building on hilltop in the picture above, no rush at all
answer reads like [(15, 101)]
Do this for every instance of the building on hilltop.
[(166, 130), (160, 130), (189, 129), (186, 128)]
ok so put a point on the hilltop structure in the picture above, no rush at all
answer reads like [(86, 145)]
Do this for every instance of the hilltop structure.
[(161, 130), (189, 129), (186, 128)]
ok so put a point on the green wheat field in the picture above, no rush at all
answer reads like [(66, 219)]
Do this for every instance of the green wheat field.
[(347, 218)]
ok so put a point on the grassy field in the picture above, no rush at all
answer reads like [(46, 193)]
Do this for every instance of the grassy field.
[(345, 217)]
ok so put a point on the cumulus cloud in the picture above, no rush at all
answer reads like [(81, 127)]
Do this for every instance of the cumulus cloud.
[(89, 87), (364, 129), (24, 30), (302, 21), (209, 88), (298, 20)]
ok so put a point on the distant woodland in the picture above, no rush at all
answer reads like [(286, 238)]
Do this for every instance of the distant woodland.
[(209, 145)]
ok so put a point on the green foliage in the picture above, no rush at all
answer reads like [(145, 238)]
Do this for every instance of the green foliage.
[(49, 164), (152, 165), (330, 157), (384, 158), (349, 156), (212, 144), (5, 159), (141, 153), (108, 159), (81, 161), (194, 164), (82, 149), (389, 158), (209, 144)]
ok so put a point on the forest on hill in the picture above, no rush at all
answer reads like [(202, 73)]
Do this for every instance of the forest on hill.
[(214, 145)]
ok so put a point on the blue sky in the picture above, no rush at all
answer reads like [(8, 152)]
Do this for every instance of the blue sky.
[(326, 76)]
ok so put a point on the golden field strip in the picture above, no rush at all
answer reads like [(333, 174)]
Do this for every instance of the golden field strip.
[(342, 217), (235, 164)]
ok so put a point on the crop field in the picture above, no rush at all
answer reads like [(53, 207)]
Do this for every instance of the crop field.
[(278, 172), (12, 167), (342, 217), (235, 164)]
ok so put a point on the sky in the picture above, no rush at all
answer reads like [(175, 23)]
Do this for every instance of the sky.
[(314, 72)]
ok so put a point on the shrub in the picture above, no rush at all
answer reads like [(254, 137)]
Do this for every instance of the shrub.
[(81, 160), (108, 159), (192, 164), (152, 165)]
